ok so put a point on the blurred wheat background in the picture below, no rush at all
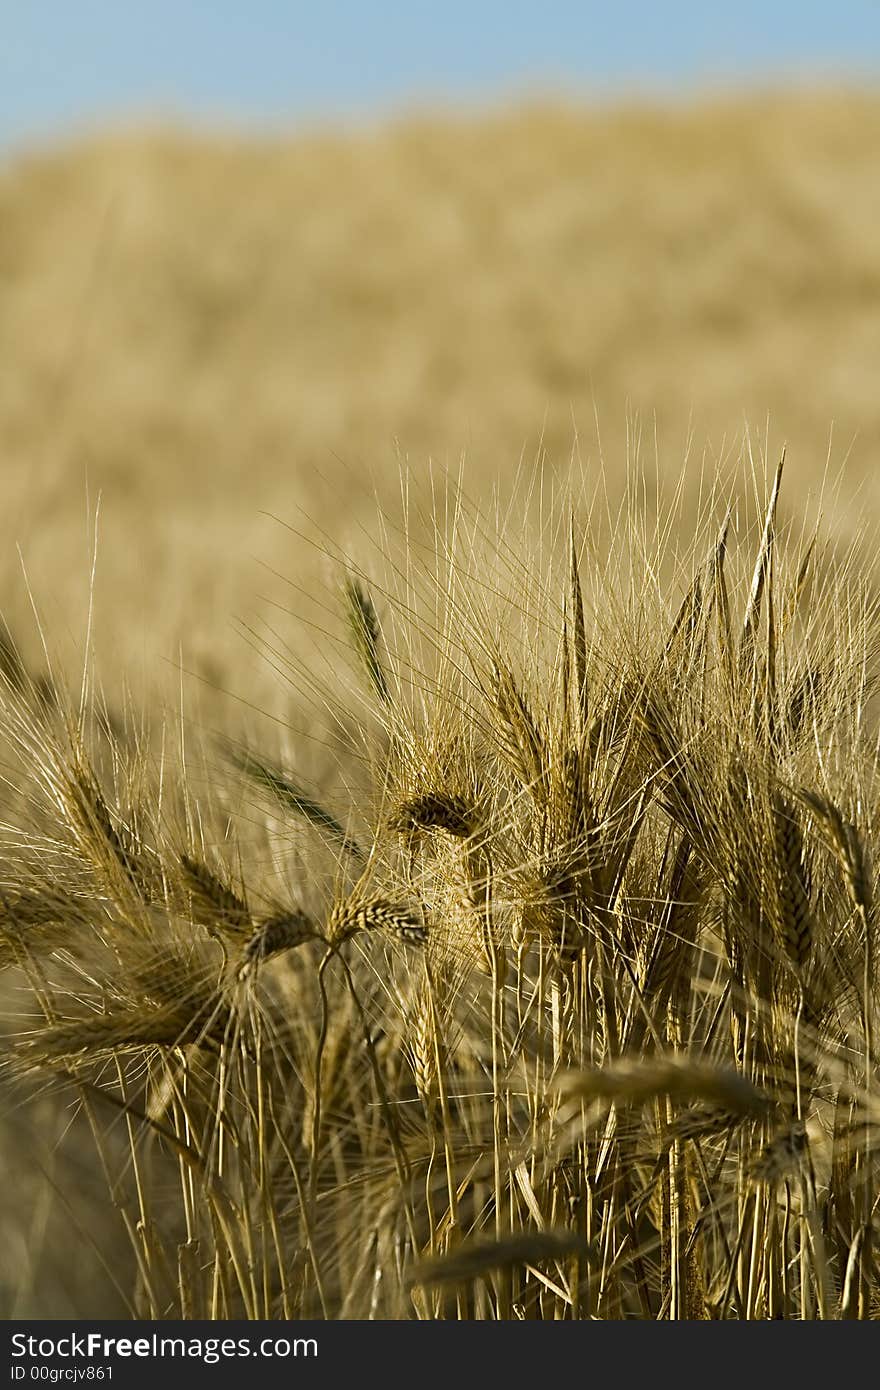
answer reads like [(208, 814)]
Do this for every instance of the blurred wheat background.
[(218, 351), (214, 333)]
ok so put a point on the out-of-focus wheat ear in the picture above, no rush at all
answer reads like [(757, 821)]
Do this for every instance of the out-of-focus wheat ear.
[(295, 799), (366, 633), (12, 667), (782, 1156), (700, 1121), (214, 905), (849, 847), (38, 692), (749, 636), (46, 693), (130, 1028), (281, 932), (859, 880), (34, 923), (579, 632), (851, 1296), (476, 1257), (828, 815), (679, 1078), (796, 920)]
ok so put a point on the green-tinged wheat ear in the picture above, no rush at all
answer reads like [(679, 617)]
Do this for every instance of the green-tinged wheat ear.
[(796, 922), (293, 798), (375, 914), (366, 634), (436, 811), (281, 932), (213, 904), (477, 1257)]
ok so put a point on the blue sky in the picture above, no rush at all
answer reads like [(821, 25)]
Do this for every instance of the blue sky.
[(69, 64)]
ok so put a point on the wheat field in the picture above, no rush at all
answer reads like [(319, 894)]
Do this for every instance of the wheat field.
[(439, 738), (212, 334)]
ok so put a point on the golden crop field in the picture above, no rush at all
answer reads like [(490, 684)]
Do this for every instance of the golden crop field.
[(211, 333), (439, 753)]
